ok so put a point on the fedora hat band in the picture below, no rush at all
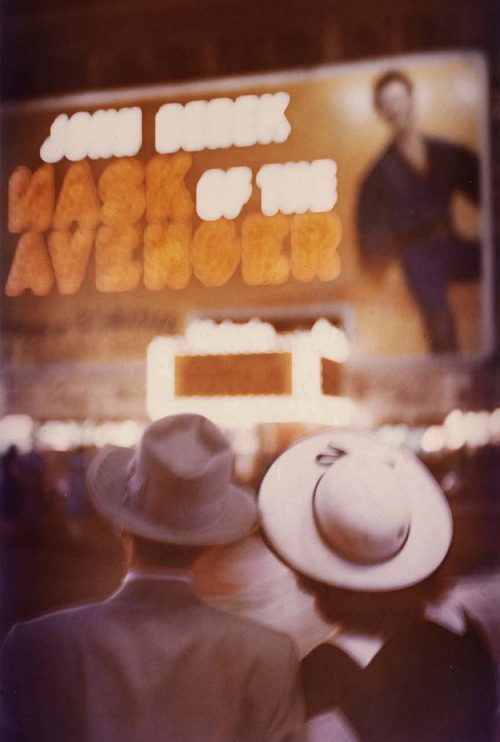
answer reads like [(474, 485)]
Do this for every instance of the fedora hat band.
[(190, 504)]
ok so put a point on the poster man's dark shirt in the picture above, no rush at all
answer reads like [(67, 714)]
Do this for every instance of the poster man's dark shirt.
[(403, 210)]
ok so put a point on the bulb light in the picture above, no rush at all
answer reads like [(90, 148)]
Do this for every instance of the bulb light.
[(494, 425), (60, 436), (394, 435), (476, 428), (433, 440), (454, 430), (16, 430)]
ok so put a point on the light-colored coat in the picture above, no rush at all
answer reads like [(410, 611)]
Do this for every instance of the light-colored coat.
[(152, 663)]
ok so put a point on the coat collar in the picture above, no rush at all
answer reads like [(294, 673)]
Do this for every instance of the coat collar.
[(143, 591), (168, 575)]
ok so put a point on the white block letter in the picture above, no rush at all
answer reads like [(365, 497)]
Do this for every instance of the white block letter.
[(52, 150), (221, 193), (169, 123), (323, 185), (245, 120), (77, 136), (101, 134), (269, 180), (273, 125), (193, 129), (128, 132), (219, 132)]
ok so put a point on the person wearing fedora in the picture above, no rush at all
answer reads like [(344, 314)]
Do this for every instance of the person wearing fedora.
[(153, 662), (367, 530)]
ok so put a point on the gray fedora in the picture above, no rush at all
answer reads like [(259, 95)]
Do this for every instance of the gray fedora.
[(175, 487)]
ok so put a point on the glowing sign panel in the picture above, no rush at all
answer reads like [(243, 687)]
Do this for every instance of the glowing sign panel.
[(250, 373), (270, 377)]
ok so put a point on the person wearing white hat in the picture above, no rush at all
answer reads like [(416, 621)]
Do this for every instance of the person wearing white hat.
[(367, 529), (153, 662)]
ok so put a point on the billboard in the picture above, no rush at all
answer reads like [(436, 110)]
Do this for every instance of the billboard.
[(126, 211)]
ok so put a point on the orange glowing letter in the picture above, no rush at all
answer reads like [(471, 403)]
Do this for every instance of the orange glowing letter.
[(166, 256), (262, 260), (315, 239), (78, 200), (31, 268), (121, 187), (116, 268), (70, 254), (215, 252), (31, 199), (167, 195)]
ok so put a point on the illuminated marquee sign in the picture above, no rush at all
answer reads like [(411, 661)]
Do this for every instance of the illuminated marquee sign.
[(58, 234), (240, 374)]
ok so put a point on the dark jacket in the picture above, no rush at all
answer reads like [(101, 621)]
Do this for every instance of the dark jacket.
[(426, 684)]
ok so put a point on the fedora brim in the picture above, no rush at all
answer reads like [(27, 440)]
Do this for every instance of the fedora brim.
[(107, 476), (286, 506)]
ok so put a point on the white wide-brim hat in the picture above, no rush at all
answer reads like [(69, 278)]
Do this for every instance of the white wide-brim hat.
[(349, 510)]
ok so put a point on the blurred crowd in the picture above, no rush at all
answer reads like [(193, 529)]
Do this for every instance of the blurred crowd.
[(44, 494), (44, 498)]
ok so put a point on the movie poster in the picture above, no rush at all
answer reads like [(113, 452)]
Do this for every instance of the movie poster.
[(128, 213)]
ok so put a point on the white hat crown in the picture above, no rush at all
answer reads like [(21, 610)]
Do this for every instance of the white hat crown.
[(361, 508)]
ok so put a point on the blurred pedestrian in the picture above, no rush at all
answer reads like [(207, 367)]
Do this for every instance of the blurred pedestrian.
[(32, 484), (11, 504), (366, 528), (73, 486), (153, 662)]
